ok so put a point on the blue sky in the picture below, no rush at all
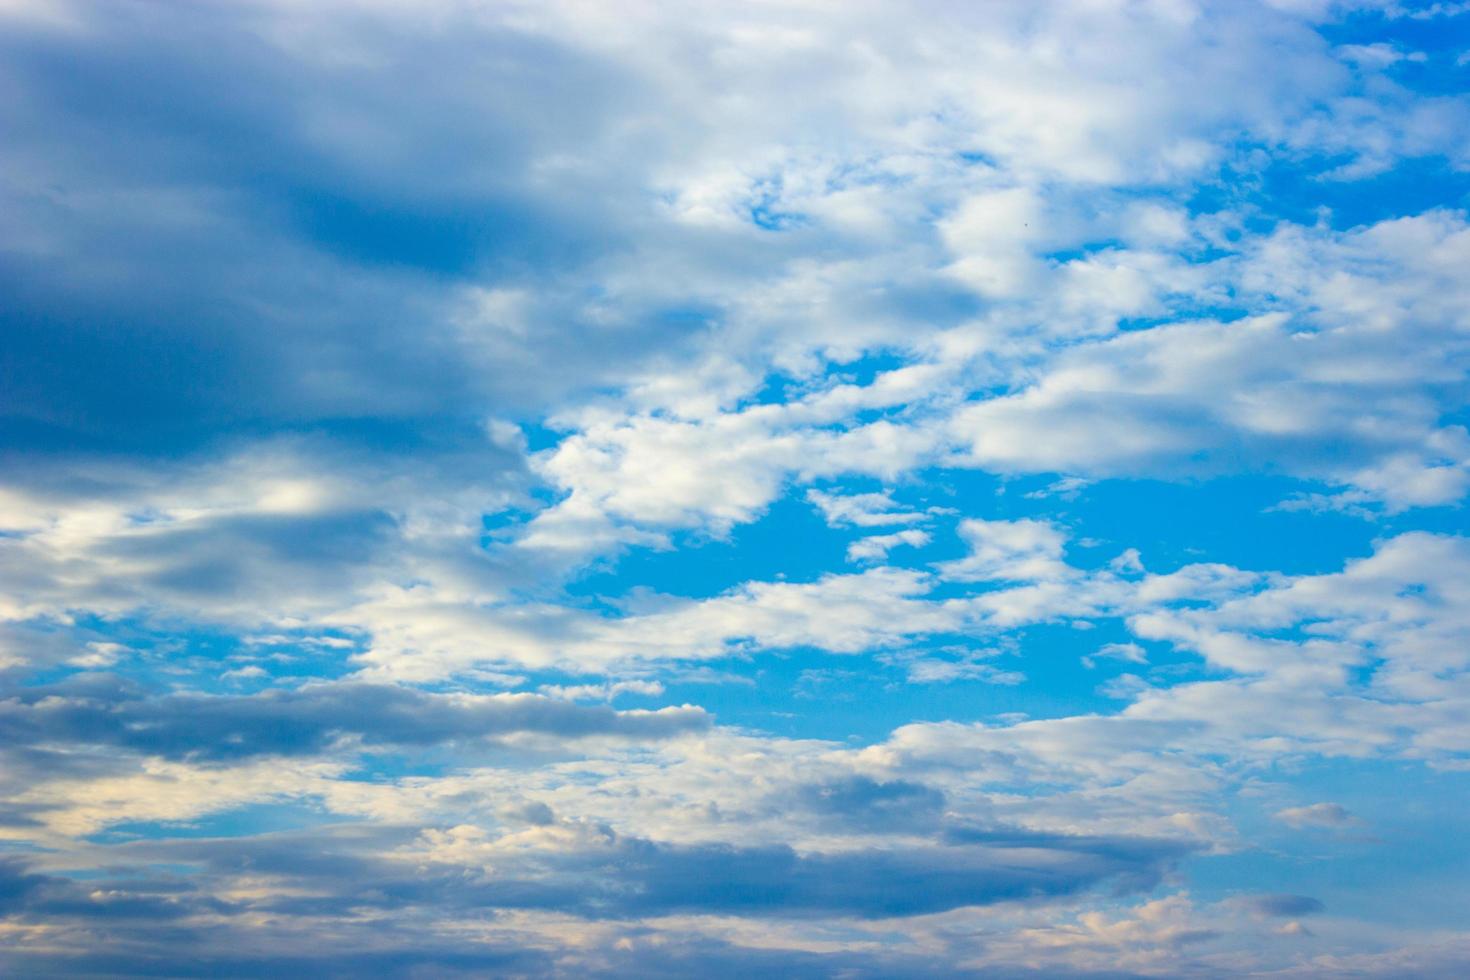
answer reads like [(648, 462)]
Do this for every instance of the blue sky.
[(818, 489)]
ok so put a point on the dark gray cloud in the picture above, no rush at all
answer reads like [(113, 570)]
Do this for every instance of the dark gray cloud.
[(100, 711)]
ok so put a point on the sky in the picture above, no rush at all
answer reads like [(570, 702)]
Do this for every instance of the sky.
[(807, 488)]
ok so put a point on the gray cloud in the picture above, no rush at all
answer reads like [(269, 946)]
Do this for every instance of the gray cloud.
[(890, 882), (341, 882), (97, 711), (611, 876), (867, 804), (255, 256)]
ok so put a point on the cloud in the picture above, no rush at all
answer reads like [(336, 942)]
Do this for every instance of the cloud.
[(1128, 652), (1024, 550), (602, 876), (1139, 401), (1316, 815), (875, 547), (862, 509), (28, 895), (599, 874), (603, 692), (308, 721), (1362, 406), (882, 883), (630, 480), (868, 804), (259, 533), (417, 636)]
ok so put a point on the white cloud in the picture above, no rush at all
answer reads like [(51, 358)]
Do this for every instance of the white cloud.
[(603, 692), (1024, 550), (1348, 362), (862, 509), (1127, 652), (990, 234), (875, 547)]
